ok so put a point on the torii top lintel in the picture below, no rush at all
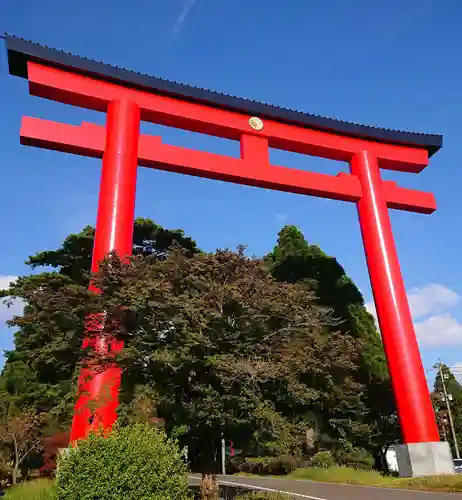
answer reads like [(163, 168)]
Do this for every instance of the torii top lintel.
[(82, 82)]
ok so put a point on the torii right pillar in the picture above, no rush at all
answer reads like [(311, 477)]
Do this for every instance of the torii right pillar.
[(422, 452)]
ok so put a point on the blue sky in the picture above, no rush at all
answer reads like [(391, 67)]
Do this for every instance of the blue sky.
[(393, 64)]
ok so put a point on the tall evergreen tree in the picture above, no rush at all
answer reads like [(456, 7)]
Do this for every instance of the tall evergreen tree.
[(294, 260)]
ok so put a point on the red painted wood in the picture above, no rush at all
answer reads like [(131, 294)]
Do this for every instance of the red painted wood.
[(88, 140), (80, 90), (415, 409)]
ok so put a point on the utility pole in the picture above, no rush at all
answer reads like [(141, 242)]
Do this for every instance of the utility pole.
[(448, 405), (223, 455)]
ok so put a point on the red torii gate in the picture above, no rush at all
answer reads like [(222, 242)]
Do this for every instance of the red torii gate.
[(129, 97)]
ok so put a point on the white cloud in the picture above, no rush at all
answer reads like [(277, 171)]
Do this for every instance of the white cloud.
[(6, 280), (17, 305), (432, 299), (429, 299), (441, 330), (456, 369), (189, 4), (430, 304)]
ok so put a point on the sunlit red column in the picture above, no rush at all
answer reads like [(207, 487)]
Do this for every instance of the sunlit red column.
[(413, 403), (97, 398)]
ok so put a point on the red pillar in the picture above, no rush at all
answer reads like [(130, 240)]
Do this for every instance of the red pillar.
[(413, 402), (98, 389)]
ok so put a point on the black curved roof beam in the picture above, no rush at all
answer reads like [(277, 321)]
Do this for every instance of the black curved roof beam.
[(20, 51)]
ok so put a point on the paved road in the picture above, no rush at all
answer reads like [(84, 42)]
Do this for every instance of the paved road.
[(325, 491)]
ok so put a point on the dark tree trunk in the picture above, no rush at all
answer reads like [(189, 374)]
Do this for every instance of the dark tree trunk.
[(209, 489), (25, 471), (381, 463)]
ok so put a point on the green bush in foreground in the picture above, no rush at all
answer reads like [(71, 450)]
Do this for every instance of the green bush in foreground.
[(133, 463), (35, 490)]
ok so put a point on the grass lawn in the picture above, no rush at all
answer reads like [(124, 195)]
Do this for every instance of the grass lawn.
[(34, 490), (348, 475)]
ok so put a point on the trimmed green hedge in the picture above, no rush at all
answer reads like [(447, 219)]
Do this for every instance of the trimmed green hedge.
[(133, 463)]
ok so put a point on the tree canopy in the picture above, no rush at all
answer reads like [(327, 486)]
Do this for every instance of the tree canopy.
[(294, 260), (260, 350), (41, 370)]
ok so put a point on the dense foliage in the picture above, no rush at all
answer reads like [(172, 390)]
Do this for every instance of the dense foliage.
[(279, 355), (134, 463), (41, 371), (294, 260), (454, 391)]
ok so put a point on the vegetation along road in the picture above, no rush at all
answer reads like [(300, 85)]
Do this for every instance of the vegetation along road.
[(325, 491)]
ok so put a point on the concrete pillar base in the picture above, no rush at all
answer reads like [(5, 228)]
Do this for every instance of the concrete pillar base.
[(424, 459)]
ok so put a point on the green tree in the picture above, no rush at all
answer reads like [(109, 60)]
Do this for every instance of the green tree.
[(454, 391), (73, 258), (20, 435), (41, 370), (453, 387), (229, 350), (213, 344), (294, 260)]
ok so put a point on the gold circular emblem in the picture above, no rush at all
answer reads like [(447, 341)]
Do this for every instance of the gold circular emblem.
[(256, 123)]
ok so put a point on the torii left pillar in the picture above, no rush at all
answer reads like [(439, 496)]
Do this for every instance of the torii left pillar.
[(97, 398)]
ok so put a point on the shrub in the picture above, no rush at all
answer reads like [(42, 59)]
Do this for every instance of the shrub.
[(133, 463), (254, 465), (322, 459), (235, 465), (273, 466), (357, 458), (51, 447), (288, 463), (6, 472), (267, 465)]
